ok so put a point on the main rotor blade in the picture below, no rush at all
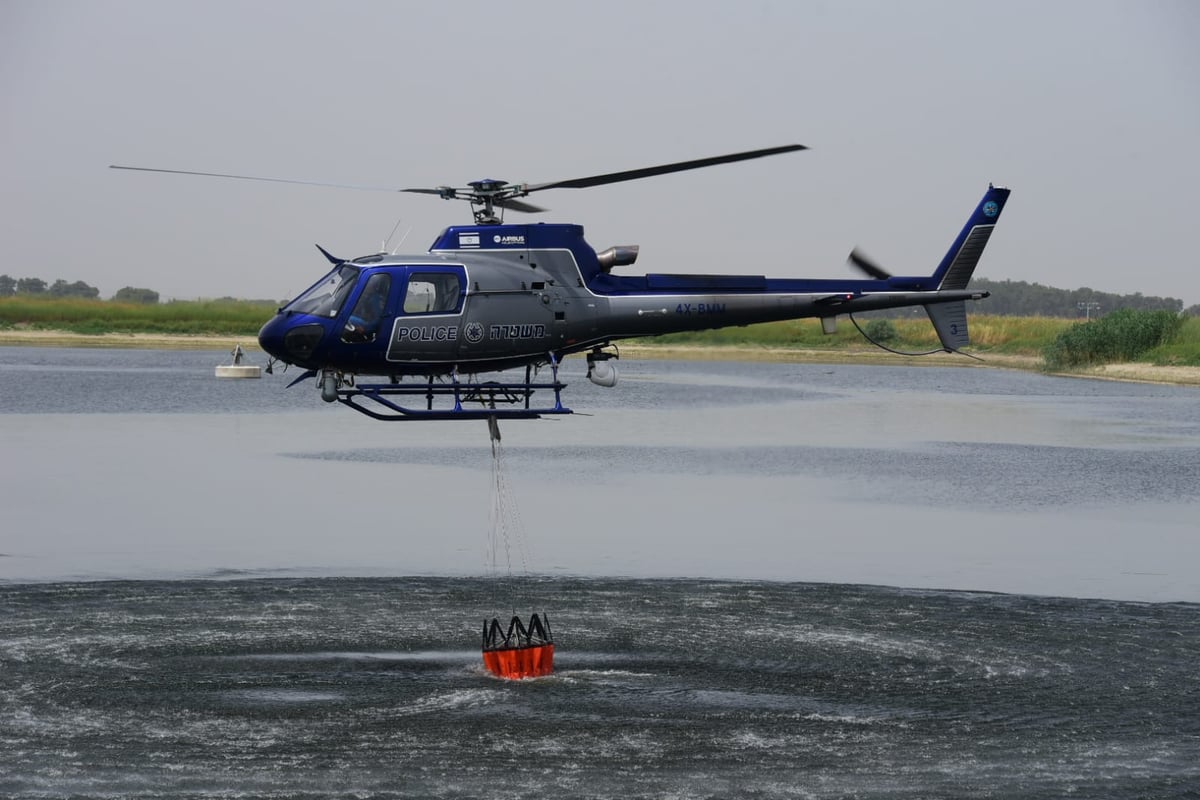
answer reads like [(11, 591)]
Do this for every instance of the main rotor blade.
[(647, 172), (504, 198), (256, 178), (520, 205)]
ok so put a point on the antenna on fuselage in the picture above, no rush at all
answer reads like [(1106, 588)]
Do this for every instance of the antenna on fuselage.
[(383, 248), (400, 243)]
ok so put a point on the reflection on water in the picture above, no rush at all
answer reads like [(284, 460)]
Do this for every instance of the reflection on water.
[(141, 464)]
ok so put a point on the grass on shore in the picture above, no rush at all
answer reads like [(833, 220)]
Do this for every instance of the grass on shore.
[(1000, 335), (76, 315), (1005, 335)]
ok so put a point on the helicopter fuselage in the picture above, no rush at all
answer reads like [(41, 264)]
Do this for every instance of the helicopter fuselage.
[(492, 297)]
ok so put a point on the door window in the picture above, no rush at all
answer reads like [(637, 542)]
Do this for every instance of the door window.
[(434, 293)]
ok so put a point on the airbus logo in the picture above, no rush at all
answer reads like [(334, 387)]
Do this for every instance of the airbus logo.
[(509, 238)]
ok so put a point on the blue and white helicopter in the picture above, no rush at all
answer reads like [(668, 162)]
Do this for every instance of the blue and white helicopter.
[(410, 337)]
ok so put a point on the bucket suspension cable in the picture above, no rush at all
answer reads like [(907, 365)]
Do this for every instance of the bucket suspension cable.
[(538, 633), (497, 522), (506, 528), (521, 651)]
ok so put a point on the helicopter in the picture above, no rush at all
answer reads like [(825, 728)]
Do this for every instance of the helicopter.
[(410, 337)]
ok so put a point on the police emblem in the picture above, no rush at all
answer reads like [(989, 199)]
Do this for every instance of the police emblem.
[(473, 331)]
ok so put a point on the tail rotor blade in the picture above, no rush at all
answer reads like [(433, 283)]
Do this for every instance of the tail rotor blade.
[(868, 266)]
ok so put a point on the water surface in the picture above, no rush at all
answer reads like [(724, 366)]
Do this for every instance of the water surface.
[(765, 580), (664, 688), (132, 464)]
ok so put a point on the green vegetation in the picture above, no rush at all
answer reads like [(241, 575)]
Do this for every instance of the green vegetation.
[(78, 315), (1182, 351), (36, 287), (1006, 335), (880, 330), (1162, 338), (132, 294), (1125, 335)]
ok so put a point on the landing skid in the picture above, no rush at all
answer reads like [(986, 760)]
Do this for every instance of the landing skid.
[(486, 400)]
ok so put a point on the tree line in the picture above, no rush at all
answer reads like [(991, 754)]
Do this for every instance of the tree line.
[(1024, 299), (36, 287)]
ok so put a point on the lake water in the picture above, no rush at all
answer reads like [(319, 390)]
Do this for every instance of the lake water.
[(139, 464), (765, 580)]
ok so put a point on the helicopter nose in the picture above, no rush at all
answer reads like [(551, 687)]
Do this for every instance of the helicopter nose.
[(270, 338), (294, 344)]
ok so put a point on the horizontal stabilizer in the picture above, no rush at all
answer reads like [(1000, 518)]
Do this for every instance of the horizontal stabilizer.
[(950, 322)]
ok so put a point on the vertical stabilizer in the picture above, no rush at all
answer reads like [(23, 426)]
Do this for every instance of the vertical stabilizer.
[(950, 322), (960, 260)]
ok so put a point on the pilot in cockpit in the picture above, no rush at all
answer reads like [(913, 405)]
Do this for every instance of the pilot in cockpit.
[(368, 311)]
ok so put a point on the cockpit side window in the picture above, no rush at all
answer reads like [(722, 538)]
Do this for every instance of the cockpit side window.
[(434, 293), (368, 312), (325, 298)]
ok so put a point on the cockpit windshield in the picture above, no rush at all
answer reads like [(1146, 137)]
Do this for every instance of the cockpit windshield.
[(326, 297)]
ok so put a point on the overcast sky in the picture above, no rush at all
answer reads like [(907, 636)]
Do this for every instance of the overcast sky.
[(1088, 111)]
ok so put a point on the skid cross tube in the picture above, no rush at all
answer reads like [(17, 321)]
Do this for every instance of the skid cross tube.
[(494, 399)]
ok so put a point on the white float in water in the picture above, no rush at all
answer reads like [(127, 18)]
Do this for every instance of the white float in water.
[(237, 369)]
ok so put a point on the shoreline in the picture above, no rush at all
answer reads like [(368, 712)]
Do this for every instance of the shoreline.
[(1133, 372), (22, 337)]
